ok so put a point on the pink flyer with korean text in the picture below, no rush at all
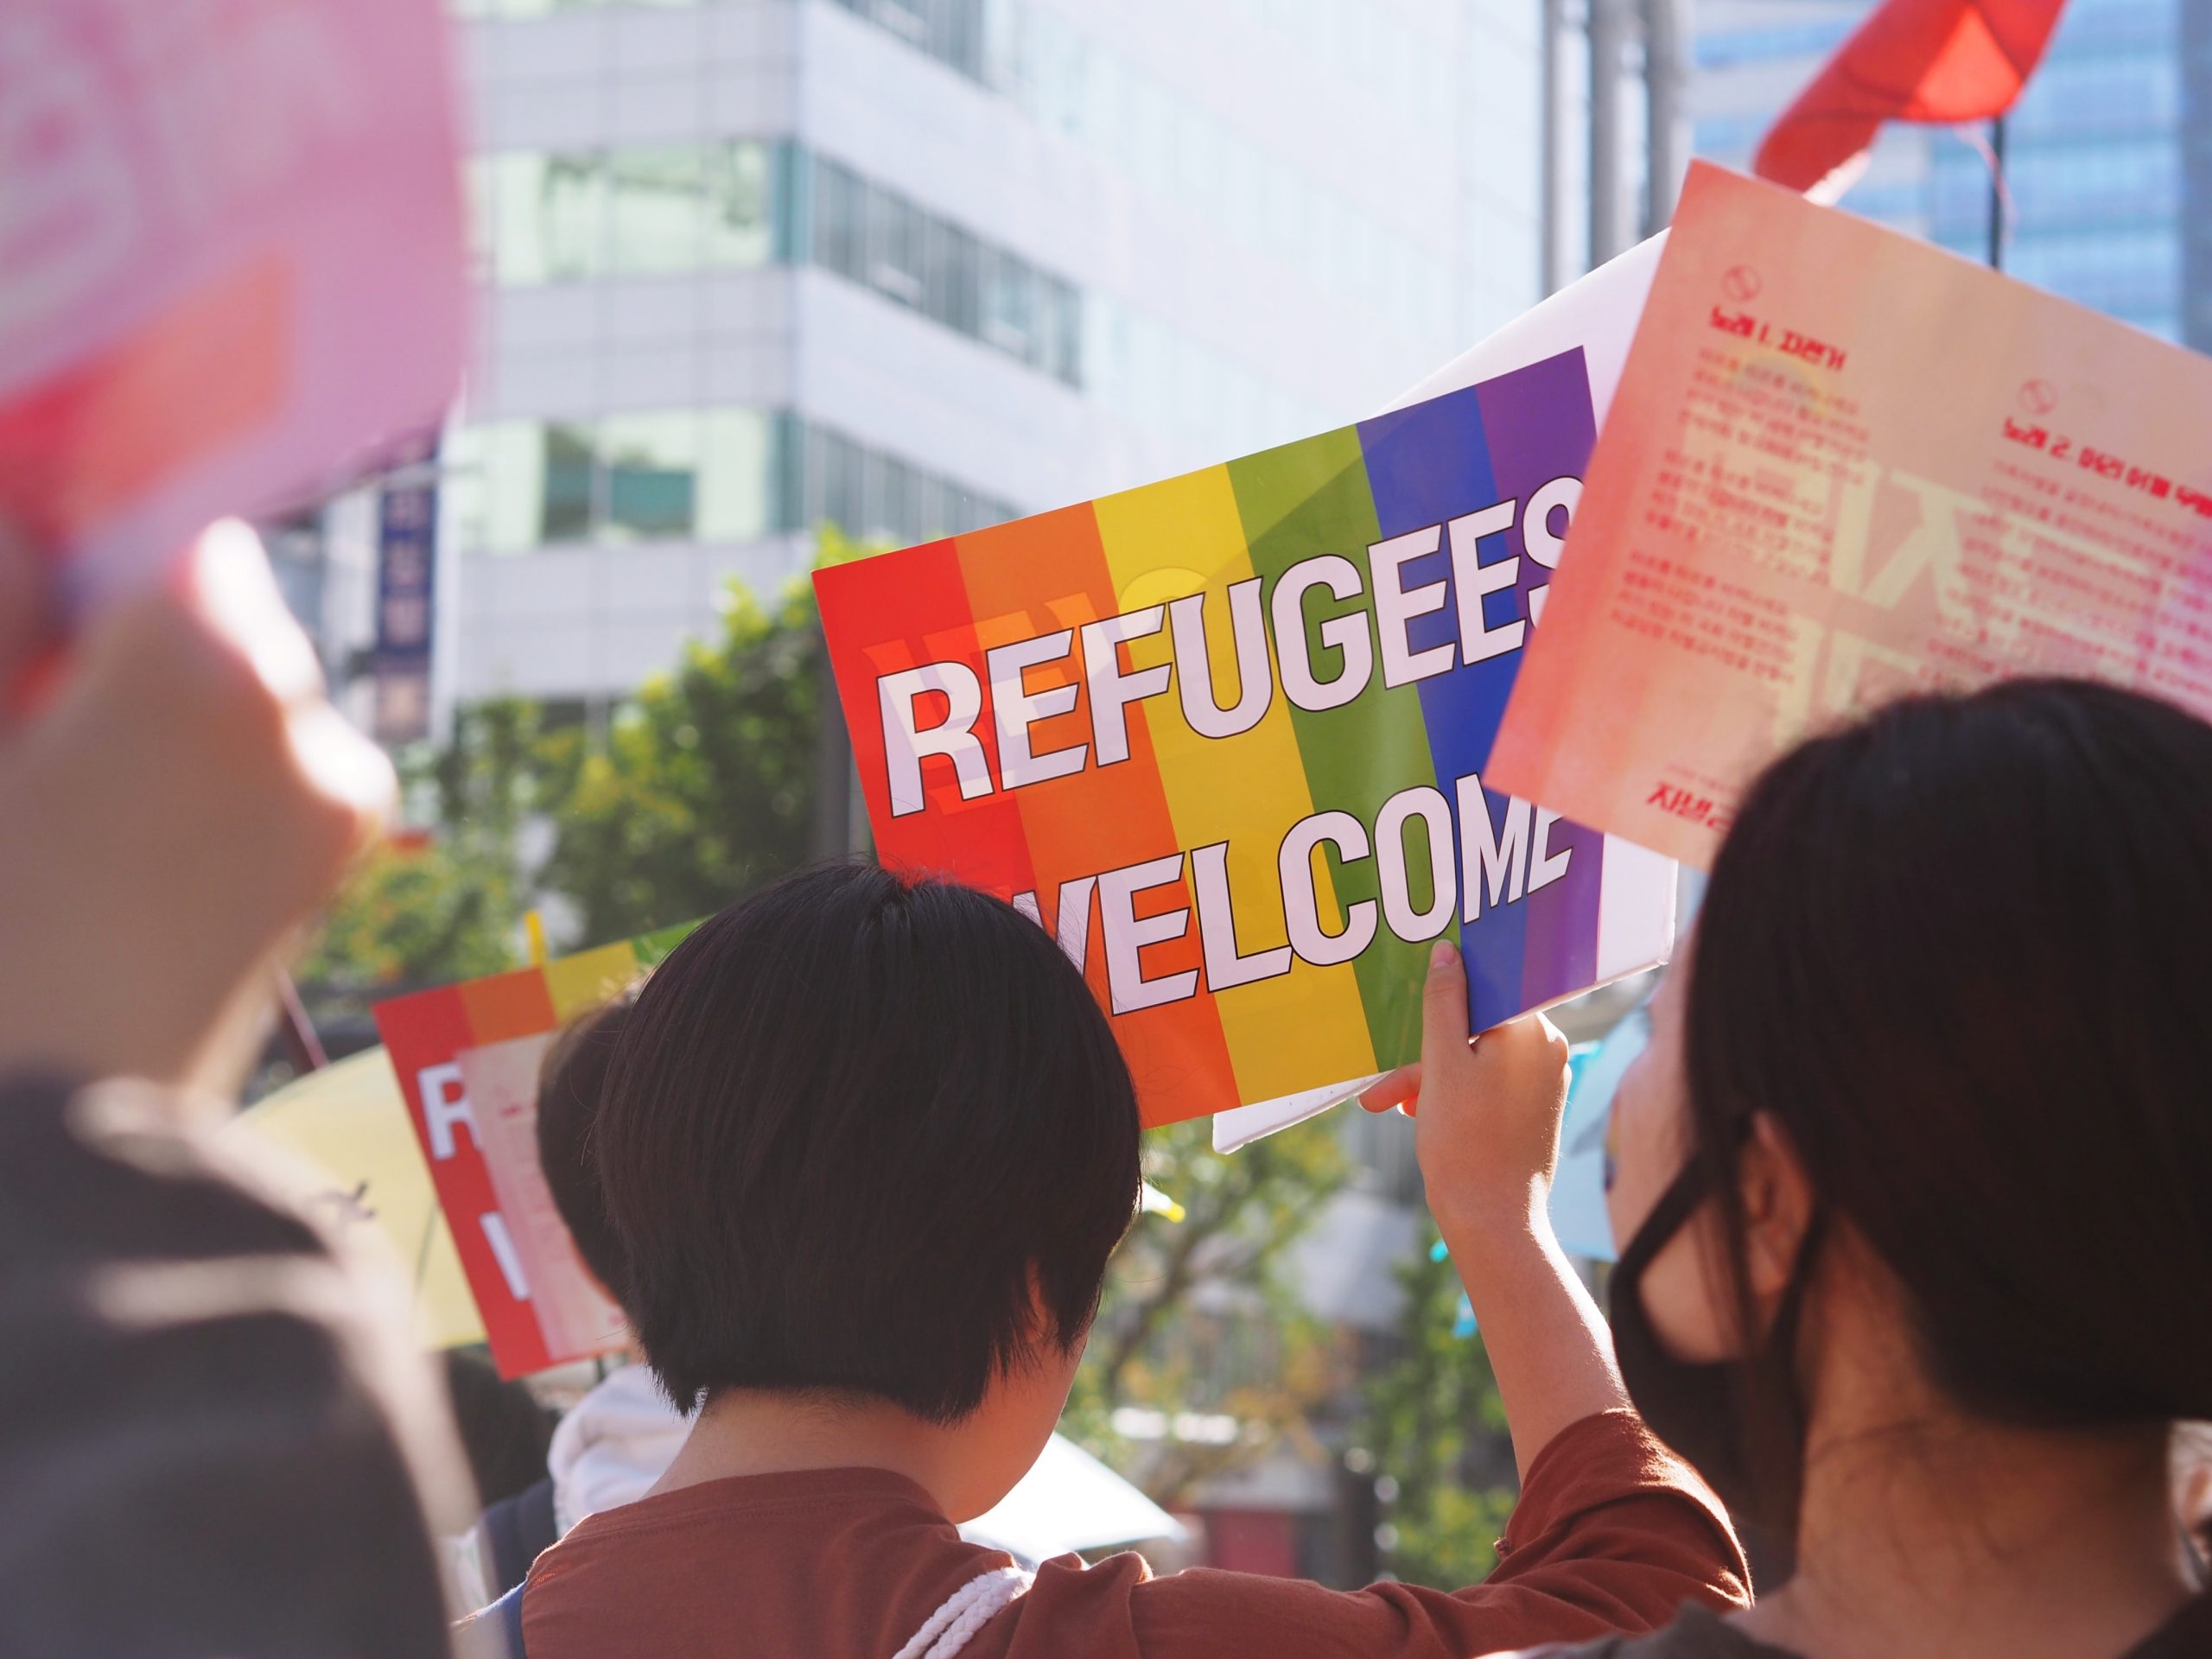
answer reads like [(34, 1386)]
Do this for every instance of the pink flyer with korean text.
[(1843, 465)]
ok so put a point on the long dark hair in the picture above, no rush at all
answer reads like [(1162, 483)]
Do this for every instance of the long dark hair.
[(1962, 951)]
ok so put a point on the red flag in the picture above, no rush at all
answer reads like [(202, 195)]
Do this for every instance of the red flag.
[(1930, 60)]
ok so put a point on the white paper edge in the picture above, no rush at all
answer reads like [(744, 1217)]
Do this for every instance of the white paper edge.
[(1240, 1125), (1598, 312)]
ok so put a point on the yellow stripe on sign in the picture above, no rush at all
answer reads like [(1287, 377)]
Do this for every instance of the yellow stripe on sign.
[(1162, 542), (588, 978)]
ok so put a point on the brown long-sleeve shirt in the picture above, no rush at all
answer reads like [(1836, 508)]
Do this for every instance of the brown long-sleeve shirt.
[(1612, 1533)]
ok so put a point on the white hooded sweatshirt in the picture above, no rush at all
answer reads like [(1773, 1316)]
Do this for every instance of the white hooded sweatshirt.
[(612, 1445)]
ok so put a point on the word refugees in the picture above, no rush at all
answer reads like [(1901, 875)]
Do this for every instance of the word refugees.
[(1096, 679)]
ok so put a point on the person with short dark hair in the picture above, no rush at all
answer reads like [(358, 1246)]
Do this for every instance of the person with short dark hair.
[(613, 1444), (865, 1145), (1915, 1183)]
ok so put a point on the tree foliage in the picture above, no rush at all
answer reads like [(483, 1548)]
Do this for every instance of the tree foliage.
[(1198, 1317), (429, 908), (704, 787), (696, 790), (1435, 1431)]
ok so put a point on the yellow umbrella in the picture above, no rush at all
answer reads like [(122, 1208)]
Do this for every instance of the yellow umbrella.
[(350, 1123)]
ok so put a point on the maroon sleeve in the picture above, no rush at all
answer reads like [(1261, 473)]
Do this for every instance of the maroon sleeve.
[(1612, 1533)]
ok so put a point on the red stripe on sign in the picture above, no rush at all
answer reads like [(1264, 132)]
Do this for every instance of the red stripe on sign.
[(425, 1035), (879, 627)]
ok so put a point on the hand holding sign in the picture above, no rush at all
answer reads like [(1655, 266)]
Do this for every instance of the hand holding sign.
[(184, 801)]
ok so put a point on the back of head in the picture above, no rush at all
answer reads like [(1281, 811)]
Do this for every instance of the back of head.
[(861, 1132), (568, 1089), (1958, 951)]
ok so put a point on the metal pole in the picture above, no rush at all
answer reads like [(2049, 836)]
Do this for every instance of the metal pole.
[(1997, 194), (1552, 141), (1664, 76), (1608, 226), (301, 1046)]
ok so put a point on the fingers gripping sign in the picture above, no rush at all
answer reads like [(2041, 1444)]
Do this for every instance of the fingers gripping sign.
[(1489, 1110)]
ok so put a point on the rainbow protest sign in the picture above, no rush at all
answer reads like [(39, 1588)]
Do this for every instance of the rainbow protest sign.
[(1224, 736), (468, 1057)]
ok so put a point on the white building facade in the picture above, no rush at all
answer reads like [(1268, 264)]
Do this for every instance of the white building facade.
[(912, 266)]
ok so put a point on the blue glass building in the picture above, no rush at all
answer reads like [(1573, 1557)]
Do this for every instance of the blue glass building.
[(2109, 153)]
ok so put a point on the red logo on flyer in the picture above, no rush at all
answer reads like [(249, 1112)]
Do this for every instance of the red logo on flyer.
[(1741, 283), (2039, 397)]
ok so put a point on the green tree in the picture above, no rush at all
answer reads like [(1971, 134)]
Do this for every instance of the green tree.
[(700, 789), (443, 904), (1436, 1432), (1198, 1316), (706, 785)]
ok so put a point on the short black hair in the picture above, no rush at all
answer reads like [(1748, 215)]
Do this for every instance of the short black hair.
[(852, 1122), (1957, 950), (569, 1086)]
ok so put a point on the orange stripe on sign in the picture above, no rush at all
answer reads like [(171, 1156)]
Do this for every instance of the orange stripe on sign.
[(84, 445), (507, 1006), (1098, 818)]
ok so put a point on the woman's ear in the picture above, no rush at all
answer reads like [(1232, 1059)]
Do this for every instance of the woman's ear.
[(1777, 1207)]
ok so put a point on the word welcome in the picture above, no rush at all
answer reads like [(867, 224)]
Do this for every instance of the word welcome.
[(1352, 644), (1485, 858)]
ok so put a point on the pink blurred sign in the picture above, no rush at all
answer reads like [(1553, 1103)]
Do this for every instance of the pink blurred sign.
[(231, 261)]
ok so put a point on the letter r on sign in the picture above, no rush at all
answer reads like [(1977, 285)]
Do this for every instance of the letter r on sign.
[(445, 1103), (905, 744)]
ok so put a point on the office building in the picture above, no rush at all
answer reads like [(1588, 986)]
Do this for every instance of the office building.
[(913, 266)]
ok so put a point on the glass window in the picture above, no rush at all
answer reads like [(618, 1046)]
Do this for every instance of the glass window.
[(740, 219), (655, 210), (735, 485), (718, 474), (566, 486), (788, 466), (2063, 187), (956, 35), (1006, 320), (894, 247), (952, 277), (884, 514), (834, 484), (499, 472), (566, 213), (1062, 319), (839, 232), (514, 197), (1721, 50), (651, 466)]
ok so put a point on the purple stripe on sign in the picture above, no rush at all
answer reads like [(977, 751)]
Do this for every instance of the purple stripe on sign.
[(1540, 428)]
